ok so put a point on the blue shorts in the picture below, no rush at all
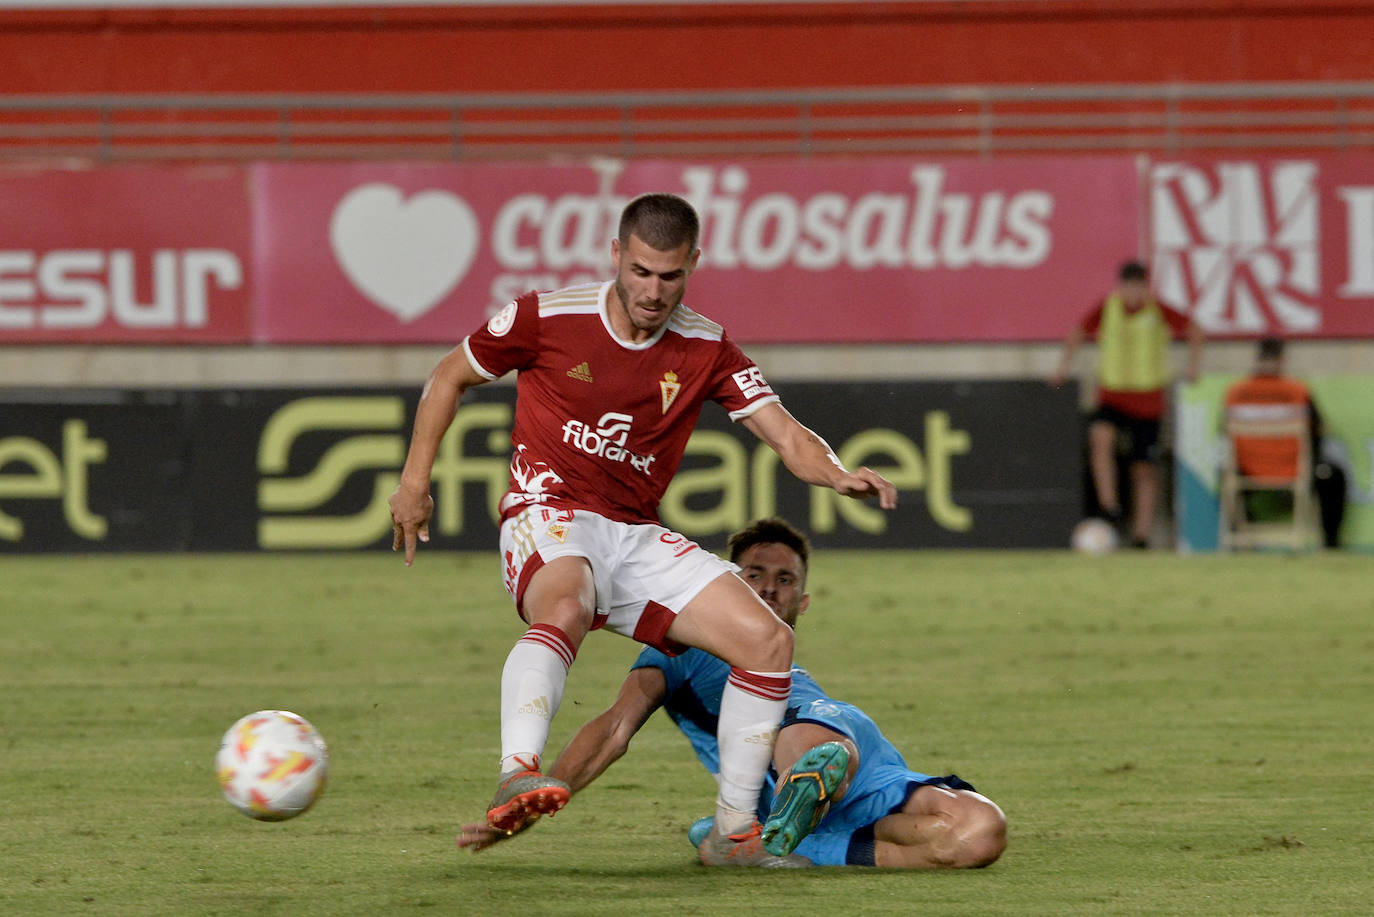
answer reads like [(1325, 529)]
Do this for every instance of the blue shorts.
[(881, 785)]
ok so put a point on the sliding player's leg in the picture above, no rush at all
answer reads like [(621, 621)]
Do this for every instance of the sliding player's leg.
[(729, 621), (815, 765), (952, 827), (940, 828)]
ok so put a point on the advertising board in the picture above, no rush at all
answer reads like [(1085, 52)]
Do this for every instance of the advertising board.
[(977, 464)]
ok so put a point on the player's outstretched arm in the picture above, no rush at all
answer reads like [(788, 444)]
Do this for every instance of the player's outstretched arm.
[(602, 741), (411, 504), (596, 747), (812, 460)]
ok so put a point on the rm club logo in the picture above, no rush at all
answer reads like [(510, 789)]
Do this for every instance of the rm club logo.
[(1237, 244)]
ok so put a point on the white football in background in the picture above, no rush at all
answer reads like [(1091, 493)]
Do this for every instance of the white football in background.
[(1094, 536)]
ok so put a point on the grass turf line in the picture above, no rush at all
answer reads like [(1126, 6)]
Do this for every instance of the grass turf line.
[(1167, 735)]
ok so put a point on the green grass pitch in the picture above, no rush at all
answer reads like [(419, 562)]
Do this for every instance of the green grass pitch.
[(1167, 735)]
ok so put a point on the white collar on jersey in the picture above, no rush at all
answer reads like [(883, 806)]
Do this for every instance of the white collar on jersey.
[(603, 301)]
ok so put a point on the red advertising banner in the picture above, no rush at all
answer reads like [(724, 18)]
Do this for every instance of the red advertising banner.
[(890, 250), (1267, 246), (125, 255)]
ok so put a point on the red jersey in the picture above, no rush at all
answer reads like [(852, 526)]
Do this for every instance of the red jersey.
[(601, 424)]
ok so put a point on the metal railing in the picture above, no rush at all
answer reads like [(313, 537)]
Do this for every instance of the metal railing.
[(957, 120)]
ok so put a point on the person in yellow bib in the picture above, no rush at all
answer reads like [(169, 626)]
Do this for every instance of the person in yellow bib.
[(1133, 330)]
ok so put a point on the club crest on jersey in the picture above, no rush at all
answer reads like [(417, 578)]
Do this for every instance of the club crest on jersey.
[(669, 387), (558, 531)]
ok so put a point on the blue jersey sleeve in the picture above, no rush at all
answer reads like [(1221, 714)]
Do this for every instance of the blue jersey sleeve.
[(694, 682), (804, 688), (672, 667)]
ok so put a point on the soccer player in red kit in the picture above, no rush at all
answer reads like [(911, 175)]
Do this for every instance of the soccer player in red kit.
[(612, 377)]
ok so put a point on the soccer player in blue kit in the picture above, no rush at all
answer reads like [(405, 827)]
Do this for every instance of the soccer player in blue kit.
[(843, 796)]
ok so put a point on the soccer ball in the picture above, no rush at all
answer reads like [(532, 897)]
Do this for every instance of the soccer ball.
[(1094, 536), (272, 765)]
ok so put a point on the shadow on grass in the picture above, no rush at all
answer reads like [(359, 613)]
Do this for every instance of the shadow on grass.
[(690, 870)]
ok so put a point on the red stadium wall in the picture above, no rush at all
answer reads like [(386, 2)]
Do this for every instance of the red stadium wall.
[(640, 46)]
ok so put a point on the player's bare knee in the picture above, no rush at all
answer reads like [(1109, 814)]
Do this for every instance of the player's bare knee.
[(567, 613), (773, 647), (563, 595), (982, 829), (757, 639)]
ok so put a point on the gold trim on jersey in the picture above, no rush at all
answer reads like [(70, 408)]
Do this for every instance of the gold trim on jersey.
[(582, 299), (691, 324)]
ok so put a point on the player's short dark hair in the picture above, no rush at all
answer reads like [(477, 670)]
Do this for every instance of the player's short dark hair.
[(662, 221), (1271, 348), (770, 531), (1133, 270)]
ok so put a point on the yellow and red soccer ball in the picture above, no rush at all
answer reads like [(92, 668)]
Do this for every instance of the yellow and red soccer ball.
[(272, 765)]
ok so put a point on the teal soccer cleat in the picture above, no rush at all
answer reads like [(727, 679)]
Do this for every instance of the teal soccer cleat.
[(802, 801)]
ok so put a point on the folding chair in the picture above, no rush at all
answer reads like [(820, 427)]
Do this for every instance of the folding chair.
[(1267, 422)]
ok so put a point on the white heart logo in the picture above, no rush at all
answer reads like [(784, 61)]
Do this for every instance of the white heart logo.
[(403, 255)]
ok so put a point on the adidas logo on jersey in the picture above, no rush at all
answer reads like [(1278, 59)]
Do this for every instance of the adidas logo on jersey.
[(581, 372)]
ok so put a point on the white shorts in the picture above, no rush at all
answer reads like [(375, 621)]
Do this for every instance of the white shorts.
[(644, 573)]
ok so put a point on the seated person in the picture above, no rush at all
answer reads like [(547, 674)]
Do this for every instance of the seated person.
[(1269, 393)]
